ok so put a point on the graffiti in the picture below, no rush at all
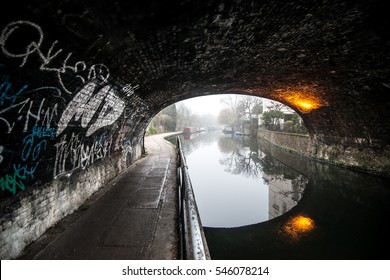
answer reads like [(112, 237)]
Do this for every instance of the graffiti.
[(28, 111), (73, 153), (37, 115), (31, 149), (32, 146), (111, 111), (14, 111), (85, 105), (127, 149), (10, 125), (1, 151), (7, 93), (21, 172), (121, 137), (44, 131), (51, 61), (30, 48), (42, 115), (129, 89), (24, 170), (13, 182)]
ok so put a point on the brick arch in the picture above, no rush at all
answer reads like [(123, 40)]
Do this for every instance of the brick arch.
[(81, 79)]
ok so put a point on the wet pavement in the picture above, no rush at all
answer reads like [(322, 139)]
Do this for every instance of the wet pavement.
[(134, 216)]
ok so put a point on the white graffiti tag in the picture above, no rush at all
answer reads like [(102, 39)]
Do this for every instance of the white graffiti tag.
[(73, 153), (85, 105), (51, 60)]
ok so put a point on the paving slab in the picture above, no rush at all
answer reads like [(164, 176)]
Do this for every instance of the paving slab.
[(145, 198), (133, 227)]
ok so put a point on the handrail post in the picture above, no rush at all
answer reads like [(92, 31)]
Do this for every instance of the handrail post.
[(193, 240)]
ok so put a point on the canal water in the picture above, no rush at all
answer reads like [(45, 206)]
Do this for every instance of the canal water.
[(260, 202)]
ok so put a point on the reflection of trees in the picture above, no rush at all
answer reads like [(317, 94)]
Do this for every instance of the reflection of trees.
[(274, 168), (238, 157), (242, 155)]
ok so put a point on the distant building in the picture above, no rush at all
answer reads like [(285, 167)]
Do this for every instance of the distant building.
[(269, 105)]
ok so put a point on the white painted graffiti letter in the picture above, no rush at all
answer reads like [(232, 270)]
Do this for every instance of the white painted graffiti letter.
[(28, 49), (84, 105)]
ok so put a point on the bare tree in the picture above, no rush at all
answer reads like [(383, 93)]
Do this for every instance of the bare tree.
[(184, 116), (243, 107), (248, 106)]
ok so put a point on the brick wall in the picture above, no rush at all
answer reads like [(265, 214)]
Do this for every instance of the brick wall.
[(351, 153), (65, 132), (295, 142), (25, 219)]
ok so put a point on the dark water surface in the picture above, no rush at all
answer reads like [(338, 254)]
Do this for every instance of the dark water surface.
[(259, 202)]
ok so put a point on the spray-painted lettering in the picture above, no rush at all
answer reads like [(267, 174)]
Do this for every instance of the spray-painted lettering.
[(26, 115), (32, 111), (31, 148), (44, 131), (73, 153), (7, 93), (13, 183), (129, 89), (85, 105), (51, 61)]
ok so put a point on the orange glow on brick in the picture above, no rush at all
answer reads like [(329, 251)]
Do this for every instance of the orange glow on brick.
[(305, 103), (306, 106), (305, 99)]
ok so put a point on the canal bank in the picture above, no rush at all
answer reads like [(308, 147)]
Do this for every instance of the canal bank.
[(135, 216), (295, 143), (352, 153)]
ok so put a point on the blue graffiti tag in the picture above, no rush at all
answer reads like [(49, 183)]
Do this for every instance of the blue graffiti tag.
[(7, 93), (30, 149), (44, 131), (24, 170), (33, 145)]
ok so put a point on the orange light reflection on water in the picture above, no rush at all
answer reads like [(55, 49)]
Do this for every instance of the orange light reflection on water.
[(298, 227), (302, 224)]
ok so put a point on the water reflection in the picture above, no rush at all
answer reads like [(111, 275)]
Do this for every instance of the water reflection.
[(297, 227), (236, 183), (341, 214)]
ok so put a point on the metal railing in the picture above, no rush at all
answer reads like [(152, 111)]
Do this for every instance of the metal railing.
[(193, 241)]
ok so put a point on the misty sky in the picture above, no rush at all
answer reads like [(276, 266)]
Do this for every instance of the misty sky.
[(205, 105)]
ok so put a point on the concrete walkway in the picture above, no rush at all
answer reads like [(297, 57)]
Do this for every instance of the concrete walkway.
[(134, 217)]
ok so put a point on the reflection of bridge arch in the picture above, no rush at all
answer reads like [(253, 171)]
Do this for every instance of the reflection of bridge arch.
[(332, 220)]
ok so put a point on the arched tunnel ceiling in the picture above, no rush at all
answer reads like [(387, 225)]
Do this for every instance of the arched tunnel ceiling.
[(81, 79), (333, 54)]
